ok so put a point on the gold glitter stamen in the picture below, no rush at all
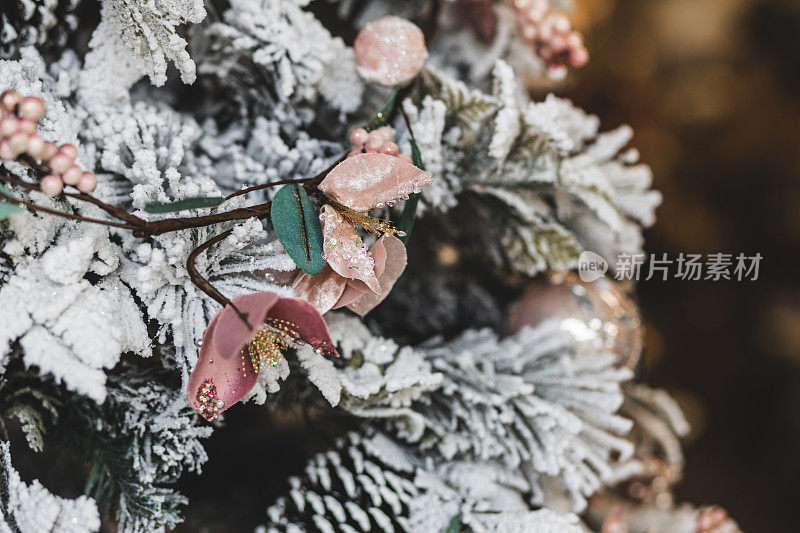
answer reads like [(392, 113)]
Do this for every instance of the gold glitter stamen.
[(269, 343), (376, 226)]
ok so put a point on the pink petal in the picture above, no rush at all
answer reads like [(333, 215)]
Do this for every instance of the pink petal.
[(365, 180), (222, 375), (310, 324), (322, 291), (345, 251), (390, 51), (355, 288), (396, 260)]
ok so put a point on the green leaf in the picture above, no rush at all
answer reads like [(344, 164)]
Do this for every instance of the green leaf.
[(186, 203), (380, 117), (298, 228), (409, 214), (454, 526), (7, 208)]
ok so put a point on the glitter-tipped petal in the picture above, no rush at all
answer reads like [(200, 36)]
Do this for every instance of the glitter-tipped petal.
[(224, 373), (365, 180), (345, 251), (396, 260), (230, 383), (390, 51)]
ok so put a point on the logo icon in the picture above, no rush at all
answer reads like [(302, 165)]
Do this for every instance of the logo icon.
[(591, 266)]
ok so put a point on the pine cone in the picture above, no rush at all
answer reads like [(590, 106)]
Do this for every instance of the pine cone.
[(351, 489), (35, 22)]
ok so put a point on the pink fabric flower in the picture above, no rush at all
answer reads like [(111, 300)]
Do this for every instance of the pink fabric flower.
[(329, 290), (390, 51), (225, 370), (355, 276)]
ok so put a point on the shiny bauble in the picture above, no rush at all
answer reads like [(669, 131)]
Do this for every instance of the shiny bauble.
[(599, 315)]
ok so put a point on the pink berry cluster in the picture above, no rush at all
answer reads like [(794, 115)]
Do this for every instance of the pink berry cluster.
[(19, 119), (552, 36), (377, 141)]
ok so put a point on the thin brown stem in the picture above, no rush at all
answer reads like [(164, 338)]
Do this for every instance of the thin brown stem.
[(202, 283), (49, 211), (266, 186)]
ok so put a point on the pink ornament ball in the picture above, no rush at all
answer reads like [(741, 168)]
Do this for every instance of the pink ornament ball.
[(390, 51), (51, 185)]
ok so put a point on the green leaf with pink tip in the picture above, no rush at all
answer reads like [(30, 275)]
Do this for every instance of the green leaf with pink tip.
[(297, 225)]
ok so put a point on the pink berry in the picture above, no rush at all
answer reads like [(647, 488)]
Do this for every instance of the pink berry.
[(19, 142), (27, 126), (390, 148), (31, 108), (406, 158), (374, 145), (358, 136), (384, 133), (69, 150), (8, 126), (574, 40), (354, 151), (51, 185), (6, 152), (87, 183), (72, 175), (9, 100), (578, 57), (60, 162), (560, 23), (49, 151), (36, 147)]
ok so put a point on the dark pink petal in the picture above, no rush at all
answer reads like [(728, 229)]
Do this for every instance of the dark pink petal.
[(310, 324), (216, 383), (355, 288), (390, 51), (322, 290), (396, 260), (223, 376), (365, 180), (345, 251)]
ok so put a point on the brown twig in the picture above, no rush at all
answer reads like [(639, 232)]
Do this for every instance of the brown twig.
[(202, 283), (49, 211)]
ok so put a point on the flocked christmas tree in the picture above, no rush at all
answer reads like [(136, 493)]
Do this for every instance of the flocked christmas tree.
[(192, 192)]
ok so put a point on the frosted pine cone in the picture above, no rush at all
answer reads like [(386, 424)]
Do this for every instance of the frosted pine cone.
[(44, 23)]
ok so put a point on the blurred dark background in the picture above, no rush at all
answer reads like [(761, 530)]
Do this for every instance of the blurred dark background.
[(712, 90)]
